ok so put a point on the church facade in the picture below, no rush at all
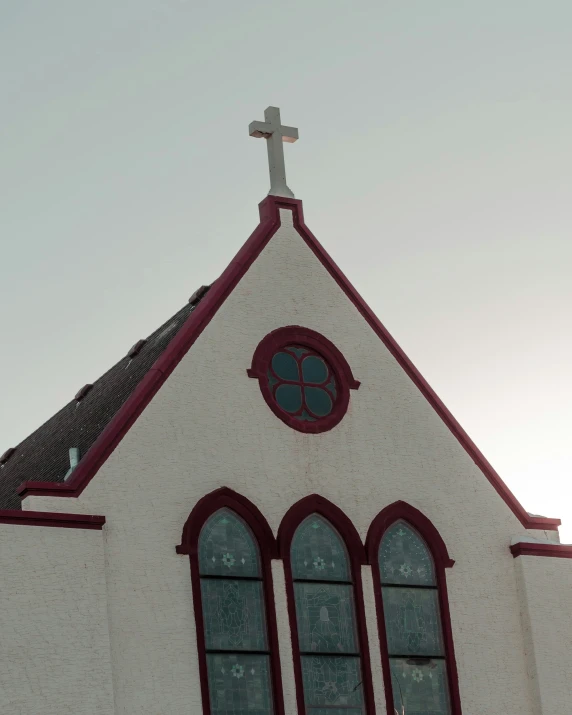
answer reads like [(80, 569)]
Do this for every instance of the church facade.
[(269, 511)]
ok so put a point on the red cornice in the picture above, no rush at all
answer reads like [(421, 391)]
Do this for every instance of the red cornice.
[(46, 518), (200, 318), (525, 548)]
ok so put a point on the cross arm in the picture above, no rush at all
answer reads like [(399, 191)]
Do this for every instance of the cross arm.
[(265, 129)]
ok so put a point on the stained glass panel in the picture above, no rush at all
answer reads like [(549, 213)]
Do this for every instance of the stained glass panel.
[(227, 548), (233, 613), (332, 684), (419, 688), (239, 684), (404, 557), (412, 621), (325, 615), (318, 552)]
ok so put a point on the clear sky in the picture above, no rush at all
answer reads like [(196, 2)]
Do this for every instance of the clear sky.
[(434, 161)]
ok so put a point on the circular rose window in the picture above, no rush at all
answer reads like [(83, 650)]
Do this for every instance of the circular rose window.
[(304, 378)]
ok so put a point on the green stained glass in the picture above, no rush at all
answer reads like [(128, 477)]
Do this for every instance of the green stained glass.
[(239, 684), (227, 548), (318, 552), (419, 687), (233, 613), (332, 684), (404, 558), (285, 366), (325, 615), (318, 401), (289, 397), (314, 370), (412, 621)]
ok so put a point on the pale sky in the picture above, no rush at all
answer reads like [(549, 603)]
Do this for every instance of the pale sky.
[(434, 162)]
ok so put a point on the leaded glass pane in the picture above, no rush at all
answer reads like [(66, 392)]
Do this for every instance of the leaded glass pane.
[(412, 621), (318, 552), (314, 369), (289, 397), (325, 615), (419, 688), (318, 401), (227, 548), (286, 367), (404, 557), (233, 613), (239, 684), (332, 684)]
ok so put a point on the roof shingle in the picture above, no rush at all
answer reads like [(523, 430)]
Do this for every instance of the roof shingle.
[(44, 455)]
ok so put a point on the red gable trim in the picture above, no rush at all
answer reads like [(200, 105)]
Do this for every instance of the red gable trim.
[(524, 548), (200, 318), (47, 518)]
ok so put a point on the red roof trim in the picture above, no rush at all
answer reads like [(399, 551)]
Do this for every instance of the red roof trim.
[(525, 548), (200, 318), (46, 518)]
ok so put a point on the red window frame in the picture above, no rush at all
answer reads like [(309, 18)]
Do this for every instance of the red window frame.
[(297, 335), (401, 511), (315, 504), (251, 515)]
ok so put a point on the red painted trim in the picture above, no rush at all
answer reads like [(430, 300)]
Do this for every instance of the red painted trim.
[(252, 516), (558, 551), (315, 504), (47, 518), (200, 318), (400, 510), (297, 335)]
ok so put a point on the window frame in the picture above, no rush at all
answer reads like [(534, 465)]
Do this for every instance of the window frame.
[(401, 511), (297, 335), (267, 547), (315, 504)]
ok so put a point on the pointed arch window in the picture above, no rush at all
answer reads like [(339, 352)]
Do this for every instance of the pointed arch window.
[(326, 612), (234, 611), (415, 634)]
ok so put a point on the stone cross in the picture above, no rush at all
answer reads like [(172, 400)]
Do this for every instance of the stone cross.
[(275, 134)]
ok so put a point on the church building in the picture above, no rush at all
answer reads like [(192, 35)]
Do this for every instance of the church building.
[(264, 509)]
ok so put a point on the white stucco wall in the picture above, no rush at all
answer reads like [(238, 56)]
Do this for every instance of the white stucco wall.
[(545, 588), (54, 640), (209, 427)]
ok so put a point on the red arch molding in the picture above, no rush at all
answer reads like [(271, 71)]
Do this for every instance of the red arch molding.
[(315, 504), (252, 516), (295, 334), (387, 517), (269, 210)]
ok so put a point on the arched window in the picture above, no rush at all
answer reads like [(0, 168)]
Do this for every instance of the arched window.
[(327, 620), (234, 608), (417, 647)]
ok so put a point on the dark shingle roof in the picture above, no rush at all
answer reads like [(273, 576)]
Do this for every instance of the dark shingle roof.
[(44, 455)]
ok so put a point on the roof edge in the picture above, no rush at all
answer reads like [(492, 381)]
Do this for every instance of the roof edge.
[(559, 551), (197, 321), (48, 518)]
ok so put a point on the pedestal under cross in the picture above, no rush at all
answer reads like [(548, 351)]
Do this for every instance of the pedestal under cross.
[(275, 134)]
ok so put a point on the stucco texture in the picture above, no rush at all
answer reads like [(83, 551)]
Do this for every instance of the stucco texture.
[(54, 639), (208, 427)]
